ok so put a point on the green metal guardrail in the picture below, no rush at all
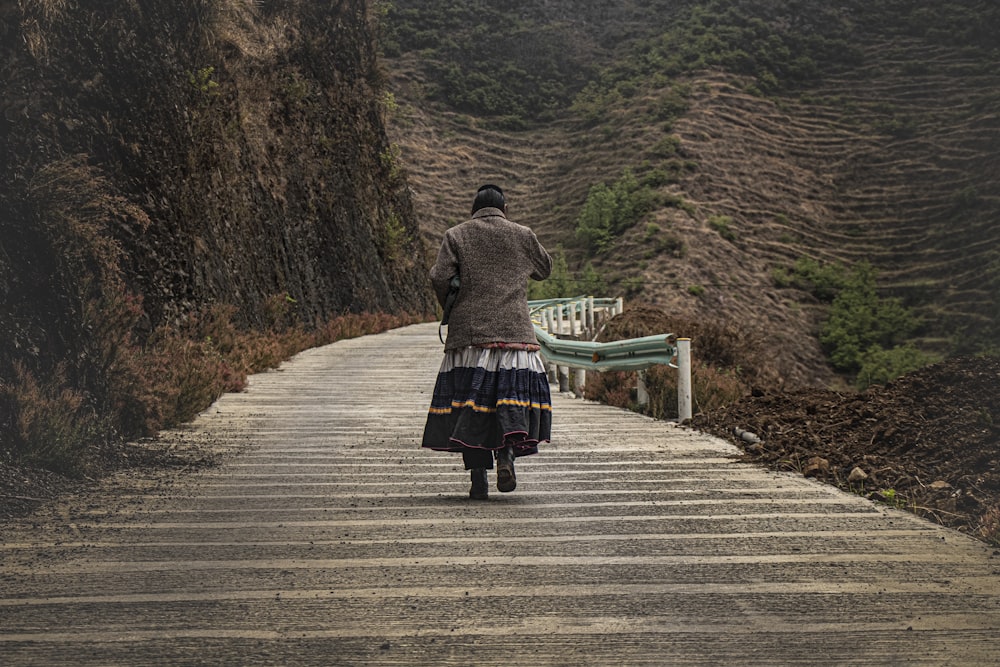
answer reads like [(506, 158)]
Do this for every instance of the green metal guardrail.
[(543, 303), (634, 354)]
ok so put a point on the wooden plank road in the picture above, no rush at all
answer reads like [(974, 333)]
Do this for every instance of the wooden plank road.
[(331, 538)]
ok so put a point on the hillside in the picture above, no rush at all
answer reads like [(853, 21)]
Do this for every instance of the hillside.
[(190, 191), (765, 132)]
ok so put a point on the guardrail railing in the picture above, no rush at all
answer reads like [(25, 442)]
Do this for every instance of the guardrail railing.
[(581, 317), (577, 316)]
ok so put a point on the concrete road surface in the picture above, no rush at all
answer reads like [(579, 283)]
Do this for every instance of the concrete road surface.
[(329, 537)]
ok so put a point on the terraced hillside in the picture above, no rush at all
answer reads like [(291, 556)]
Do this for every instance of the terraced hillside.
[(893, 161), (905, 178), (924, 180)]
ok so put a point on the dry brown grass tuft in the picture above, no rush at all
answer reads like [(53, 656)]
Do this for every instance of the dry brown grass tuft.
[(711, 387), (719, 343), (37, 18), (239, 23), (51, 415), (46, 10), (74, 203), (989, 526)]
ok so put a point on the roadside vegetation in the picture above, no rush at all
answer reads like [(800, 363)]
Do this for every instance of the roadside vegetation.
[(732, 362), (868, 337), (60, 419), (106, 374)]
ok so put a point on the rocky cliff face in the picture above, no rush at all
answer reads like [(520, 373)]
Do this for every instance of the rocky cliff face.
[(193, 152)]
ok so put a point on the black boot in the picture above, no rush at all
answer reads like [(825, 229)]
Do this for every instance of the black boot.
[(480, 485), (506, 481)]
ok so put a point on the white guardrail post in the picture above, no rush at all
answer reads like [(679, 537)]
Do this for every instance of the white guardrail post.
[(684, 379), (641, 395)]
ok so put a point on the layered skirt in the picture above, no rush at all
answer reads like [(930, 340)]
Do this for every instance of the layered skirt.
[(488, 398)]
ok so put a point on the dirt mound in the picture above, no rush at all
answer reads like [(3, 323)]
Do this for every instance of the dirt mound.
[(927, 441)]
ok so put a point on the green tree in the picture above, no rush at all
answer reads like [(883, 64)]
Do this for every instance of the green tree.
[(823, 281), (593, 227), (611, 210), (561, 283), (591, 283), (860, 320)]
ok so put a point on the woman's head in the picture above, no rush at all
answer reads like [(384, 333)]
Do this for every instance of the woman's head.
[(489, 196)]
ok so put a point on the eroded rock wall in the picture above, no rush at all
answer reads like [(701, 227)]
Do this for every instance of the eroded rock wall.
[(176, 154)]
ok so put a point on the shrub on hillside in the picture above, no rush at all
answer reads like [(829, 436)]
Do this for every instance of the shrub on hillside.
[(879, 366), (864, 335), (612, 209), (722, 225), (823, 281), (859, 320)]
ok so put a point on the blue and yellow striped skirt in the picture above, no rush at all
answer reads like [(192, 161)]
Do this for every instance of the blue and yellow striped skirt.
[(490, 398)]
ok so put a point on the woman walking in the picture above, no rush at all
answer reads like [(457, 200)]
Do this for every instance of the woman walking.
[(491, 399)]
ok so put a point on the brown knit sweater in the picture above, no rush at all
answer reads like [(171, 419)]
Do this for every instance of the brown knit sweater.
[(494, 258)]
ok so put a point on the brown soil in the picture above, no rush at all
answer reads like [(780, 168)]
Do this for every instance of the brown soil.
[(927, 441)]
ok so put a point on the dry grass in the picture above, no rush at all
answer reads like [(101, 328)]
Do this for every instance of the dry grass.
[(238, 23), (715, 342), (189, 367), (51, 415), (73, 203), (37, 19), (168, 380), (728, 362), (989, 526), (711, 387)]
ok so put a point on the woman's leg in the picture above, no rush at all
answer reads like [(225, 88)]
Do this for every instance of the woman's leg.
[(480, 485), (477, 458), (506, 481)]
